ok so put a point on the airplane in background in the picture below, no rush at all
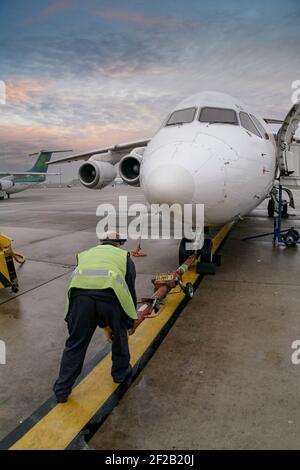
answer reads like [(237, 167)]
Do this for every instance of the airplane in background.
[(211, 149), (16, 181)]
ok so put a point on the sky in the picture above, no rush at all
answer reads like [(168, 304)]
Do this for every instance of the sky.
[(83, 75)]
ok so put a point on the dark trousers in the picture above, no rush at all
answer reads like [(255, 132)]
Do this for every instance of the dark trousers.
[(85, 314)]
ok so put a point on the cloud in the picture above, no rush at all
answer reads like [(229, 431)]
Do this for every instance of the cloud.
[(51, 9), (87, 79), (144, 20), (17, 141), (119, 69), (23, 91), (130, 17)]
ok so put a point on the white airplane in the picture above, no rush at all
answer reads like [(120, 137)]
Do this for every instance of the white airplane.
[(17, 181), (211, 149)]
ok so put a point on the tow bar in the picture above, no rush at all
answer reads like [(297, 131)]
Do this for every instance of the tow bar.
[(163, 283)]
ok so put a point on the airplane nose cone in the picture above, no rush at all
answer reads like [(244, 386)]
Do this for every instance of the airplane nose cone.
[(169, 184)]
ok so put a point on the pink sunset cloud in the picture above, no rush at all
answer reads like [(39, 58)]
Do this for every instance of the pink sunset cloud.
[(141, 18), (130, 17), (123, 70), (51, 9), (23, 91), (33, 138)]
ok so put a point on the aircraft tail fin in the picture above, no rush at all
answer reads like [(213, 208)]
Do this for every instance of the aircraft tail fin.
[(40, 165), (44, 156)]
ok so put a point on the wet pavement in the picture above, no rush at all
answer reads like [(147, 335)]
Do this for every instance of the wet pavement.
[(222, 378)]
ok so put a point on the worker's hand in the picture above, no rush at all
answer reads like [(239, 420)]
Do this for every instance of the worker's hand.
[(109, 334), (134, 327)]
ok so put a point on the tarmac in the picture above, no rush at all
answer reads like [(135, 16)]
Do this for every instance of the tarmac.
[(222, 378)]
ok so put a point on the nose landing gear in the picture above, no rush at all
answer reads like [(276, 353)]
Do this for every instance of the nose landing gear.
[(184, 253), (208, 262)]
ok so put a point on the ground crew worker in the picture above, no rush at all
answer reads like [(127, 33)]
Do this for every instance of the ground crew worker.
[(101, 293)]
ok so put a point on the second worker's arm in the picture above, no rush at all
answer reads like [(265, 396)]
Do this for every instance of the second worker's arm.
[(130, 279)]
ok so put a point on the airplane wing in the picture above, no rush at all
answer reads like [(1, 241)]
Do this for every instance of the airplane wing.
[(118, 150), (25, 173)]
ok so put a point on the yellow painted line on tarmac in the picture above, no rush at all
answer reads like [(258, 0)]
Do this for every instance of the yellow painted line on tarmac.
[(221, 235), (57, 429)]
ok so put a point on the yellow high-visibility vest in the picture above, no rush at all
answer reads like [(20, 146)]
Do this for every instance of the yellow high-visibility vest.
[(103, 267)]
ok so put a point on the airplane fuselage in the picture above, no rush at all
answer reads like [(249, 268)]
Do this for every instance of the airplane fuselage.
[(227, 166), (13, 189), (15, 182)]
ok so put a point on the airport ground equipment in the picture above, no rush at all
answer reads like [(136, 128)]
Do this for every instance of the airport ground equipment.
[(273, 203), (165, 282), (277, 206), (8, 275), (289, 237)]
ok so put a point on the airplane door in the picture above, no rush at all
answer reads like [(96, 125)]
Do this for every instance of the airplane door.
[(285, 137)]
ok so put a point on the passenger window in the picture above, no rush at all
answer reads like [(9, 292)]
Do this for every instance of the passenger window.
[(218, 115), (260, 127), (181, 116), (248, 124)]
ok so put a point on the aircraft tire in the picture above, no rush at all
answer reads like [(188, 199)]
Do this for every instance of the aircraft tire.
[(271, 208), (183, 253), (206, 251)]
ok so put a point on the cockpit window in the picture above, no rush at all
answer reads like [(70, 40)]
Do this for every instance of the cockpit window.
[(181, 116), (218, 115), (248, 124), (260, 127)]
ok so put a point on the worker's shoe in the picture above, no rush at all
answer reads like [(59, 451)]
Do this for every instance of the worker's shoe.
[(62, 398), (120, 377)]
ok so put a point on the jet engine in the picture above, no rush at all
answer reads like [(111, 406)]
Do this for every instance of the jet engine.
[(6, 184), (129, 169), (96, 175)]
